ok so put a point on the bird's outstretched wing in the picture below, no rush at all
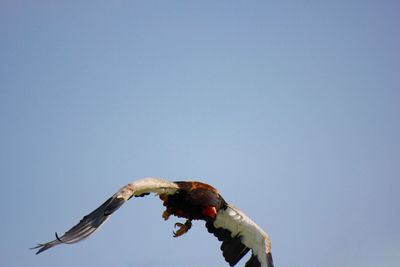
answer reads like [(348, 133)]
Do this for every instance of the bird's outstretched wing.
[(239, 234), (91, 222)]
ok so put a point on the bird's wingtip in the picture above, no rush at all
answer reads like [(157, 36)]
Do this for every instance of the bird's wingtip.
[(42, 247), (270, 262)]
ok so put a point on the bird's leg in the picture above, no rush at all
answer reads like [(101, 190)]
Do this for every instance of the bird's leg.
[(166, 214), (183, 228)]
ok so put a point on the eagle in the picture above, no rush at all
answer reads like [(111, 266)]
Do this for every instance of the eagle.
[(191, 200)]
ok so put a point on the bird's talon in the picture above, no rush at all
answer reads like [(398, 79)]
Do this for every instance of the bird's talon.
[(166, 215), (183, 228), (178, 224)]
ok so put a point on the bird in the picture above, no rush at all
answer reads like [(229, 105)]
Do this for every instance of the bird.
[(191, 200)]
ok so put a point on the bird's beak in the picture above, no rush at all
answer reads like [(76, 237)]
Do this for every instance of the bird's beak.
[(210, 211)]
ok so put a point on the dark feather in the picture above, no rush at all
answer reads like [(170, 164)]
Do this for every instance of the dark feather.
[(270, 262), (232, 248), (87, 226), (219, 233), (253, 262)]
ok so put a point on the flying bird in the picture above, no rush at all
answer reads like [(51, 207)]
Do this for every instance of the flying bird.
[(190, 200)]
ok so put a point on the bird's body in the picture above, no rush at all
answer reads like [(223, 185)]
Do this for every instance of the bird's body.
[(192, 201)]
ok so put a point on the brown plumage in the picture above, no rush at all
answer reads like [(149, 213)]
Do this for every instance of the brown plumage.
[(192, 201)]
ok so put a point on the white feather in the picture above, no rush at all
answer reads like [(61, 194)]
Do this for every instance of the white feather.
[(146, 185), (252, 236)]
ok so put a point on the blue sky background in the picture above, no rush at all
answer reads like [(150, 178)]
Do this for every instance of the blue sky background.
[(290, 108)]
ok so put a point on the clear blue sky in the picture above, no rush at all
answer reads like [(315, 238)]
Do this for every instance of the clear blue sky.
[(290, 108)]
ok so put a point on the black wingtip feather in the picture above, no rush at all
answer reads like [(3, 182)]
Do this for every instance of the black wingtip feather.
[(86, 226), (232, 248), (270, 261), (58, 238), (253, 262), (113, 206), (43, 247)]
